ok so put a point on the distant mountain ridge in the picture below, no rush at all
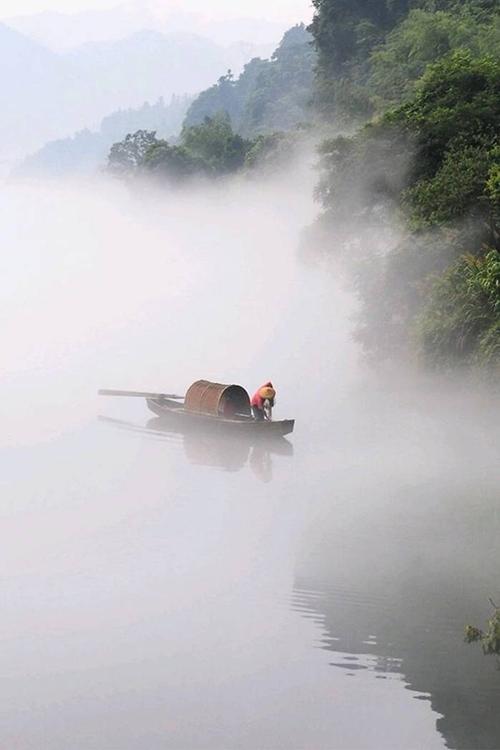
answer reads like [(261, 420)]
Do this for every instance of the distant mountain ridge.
[(87, 151), (46, 96), (149, 64), (34, 87), (270, 95), (64, 31)]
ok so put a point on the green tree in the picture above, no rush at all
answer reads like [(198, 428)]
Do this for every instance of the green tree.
[(489, 640), (127, 156), (433, 166), (215, 143), (269, 95), (461, 321), (454, 121), (436, 158), (371, 52), (269, 152), (174, 164), (223, 96), (211, 149), (345, 33), (420, 39), (458, 97)]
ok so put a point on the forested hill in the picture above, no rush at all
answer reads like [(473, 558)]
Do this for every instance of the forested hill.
[(409, 193), (252, 122), (269, 95), (411, 201), (371, 52)]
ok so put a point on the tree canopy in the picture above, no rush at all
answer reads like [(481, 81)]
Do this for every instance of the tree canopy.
[(269, 95), (370, 54), (433, 163), (209, 150)]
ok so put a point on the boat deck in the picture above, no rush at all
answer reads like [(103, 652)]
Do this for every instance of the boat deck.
[(173, 410)]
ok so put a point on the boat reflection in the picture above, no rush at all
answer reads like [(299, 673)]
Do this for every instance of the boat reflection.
[(218, 451), (227, 452)]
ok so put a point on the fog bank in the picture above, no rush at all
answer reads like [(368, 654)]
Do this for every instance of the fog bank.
[(165, 591)]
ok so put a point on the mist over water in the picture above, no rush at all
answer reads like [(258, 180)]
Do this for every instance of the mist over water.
[(163, 590)]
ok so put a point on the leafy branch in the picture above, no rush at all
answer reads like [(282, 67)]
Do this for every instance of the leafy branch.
[(489, 639)]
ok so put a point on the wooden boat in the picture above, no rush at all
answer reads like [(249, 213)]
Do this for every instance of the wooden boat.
[(213, 406), (241, 424)]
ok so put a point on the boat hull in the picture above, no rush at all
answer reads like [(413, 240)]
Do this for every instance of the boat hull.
[(175, 413)]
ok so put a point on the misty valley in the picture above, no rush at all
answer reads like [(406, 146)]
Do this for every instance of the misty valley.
[(307, 199)]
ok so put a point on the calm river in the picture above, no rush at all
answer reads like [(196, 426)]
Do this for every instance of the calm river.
[(166, 591)]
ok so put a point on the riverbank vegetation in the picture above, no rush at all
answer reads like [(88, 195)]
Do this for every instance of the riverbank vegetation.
[(209, 150), (490, 638), (410, 199), (404, 97)]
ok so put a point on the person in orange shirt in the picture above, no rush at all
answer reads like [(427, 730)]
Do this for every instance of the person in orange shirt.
[(263, 401)]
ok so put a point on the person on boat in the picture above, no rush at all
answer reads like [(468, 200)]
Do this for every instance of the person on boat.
[(263, 402)]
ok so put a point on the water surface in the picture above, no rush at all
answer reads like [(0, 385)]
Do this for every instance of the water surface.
[(164, 590)]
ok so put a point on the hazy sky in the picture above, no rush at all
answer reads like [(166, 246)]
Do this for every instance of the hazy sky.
[(278, 9)]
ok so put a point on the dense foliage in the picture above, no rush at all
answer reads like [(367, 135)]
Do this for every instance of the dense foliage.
[(269, 95), (489, 639), (372, 51), (454, 120), (422, 38), (413, 198), (211, 149), (461, 322)]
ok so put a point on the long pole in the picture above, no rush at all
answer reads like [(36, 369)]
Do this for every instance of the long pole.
[(138, 394)]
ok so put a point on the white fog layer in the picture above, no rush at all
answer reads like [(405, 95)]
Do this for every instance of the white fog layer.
[(164, 591)]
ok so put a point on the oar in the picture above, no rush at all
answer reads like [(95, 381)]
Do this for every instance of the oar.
[(138, 394)]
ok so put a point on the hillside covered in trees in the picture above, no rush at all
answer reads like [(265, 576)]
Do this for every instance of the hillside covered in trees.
[(269, 95), (404, 98), (411, 199), (250, 122), (206, 151)]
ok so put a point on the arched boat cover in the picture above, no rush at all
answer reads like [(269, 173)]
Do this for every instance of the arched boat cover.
[(217, 400)]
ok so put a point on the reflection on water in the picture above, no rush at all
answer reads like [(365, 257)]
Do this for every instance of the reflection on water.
[(392, 588), (311, 604), (212, 449)]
